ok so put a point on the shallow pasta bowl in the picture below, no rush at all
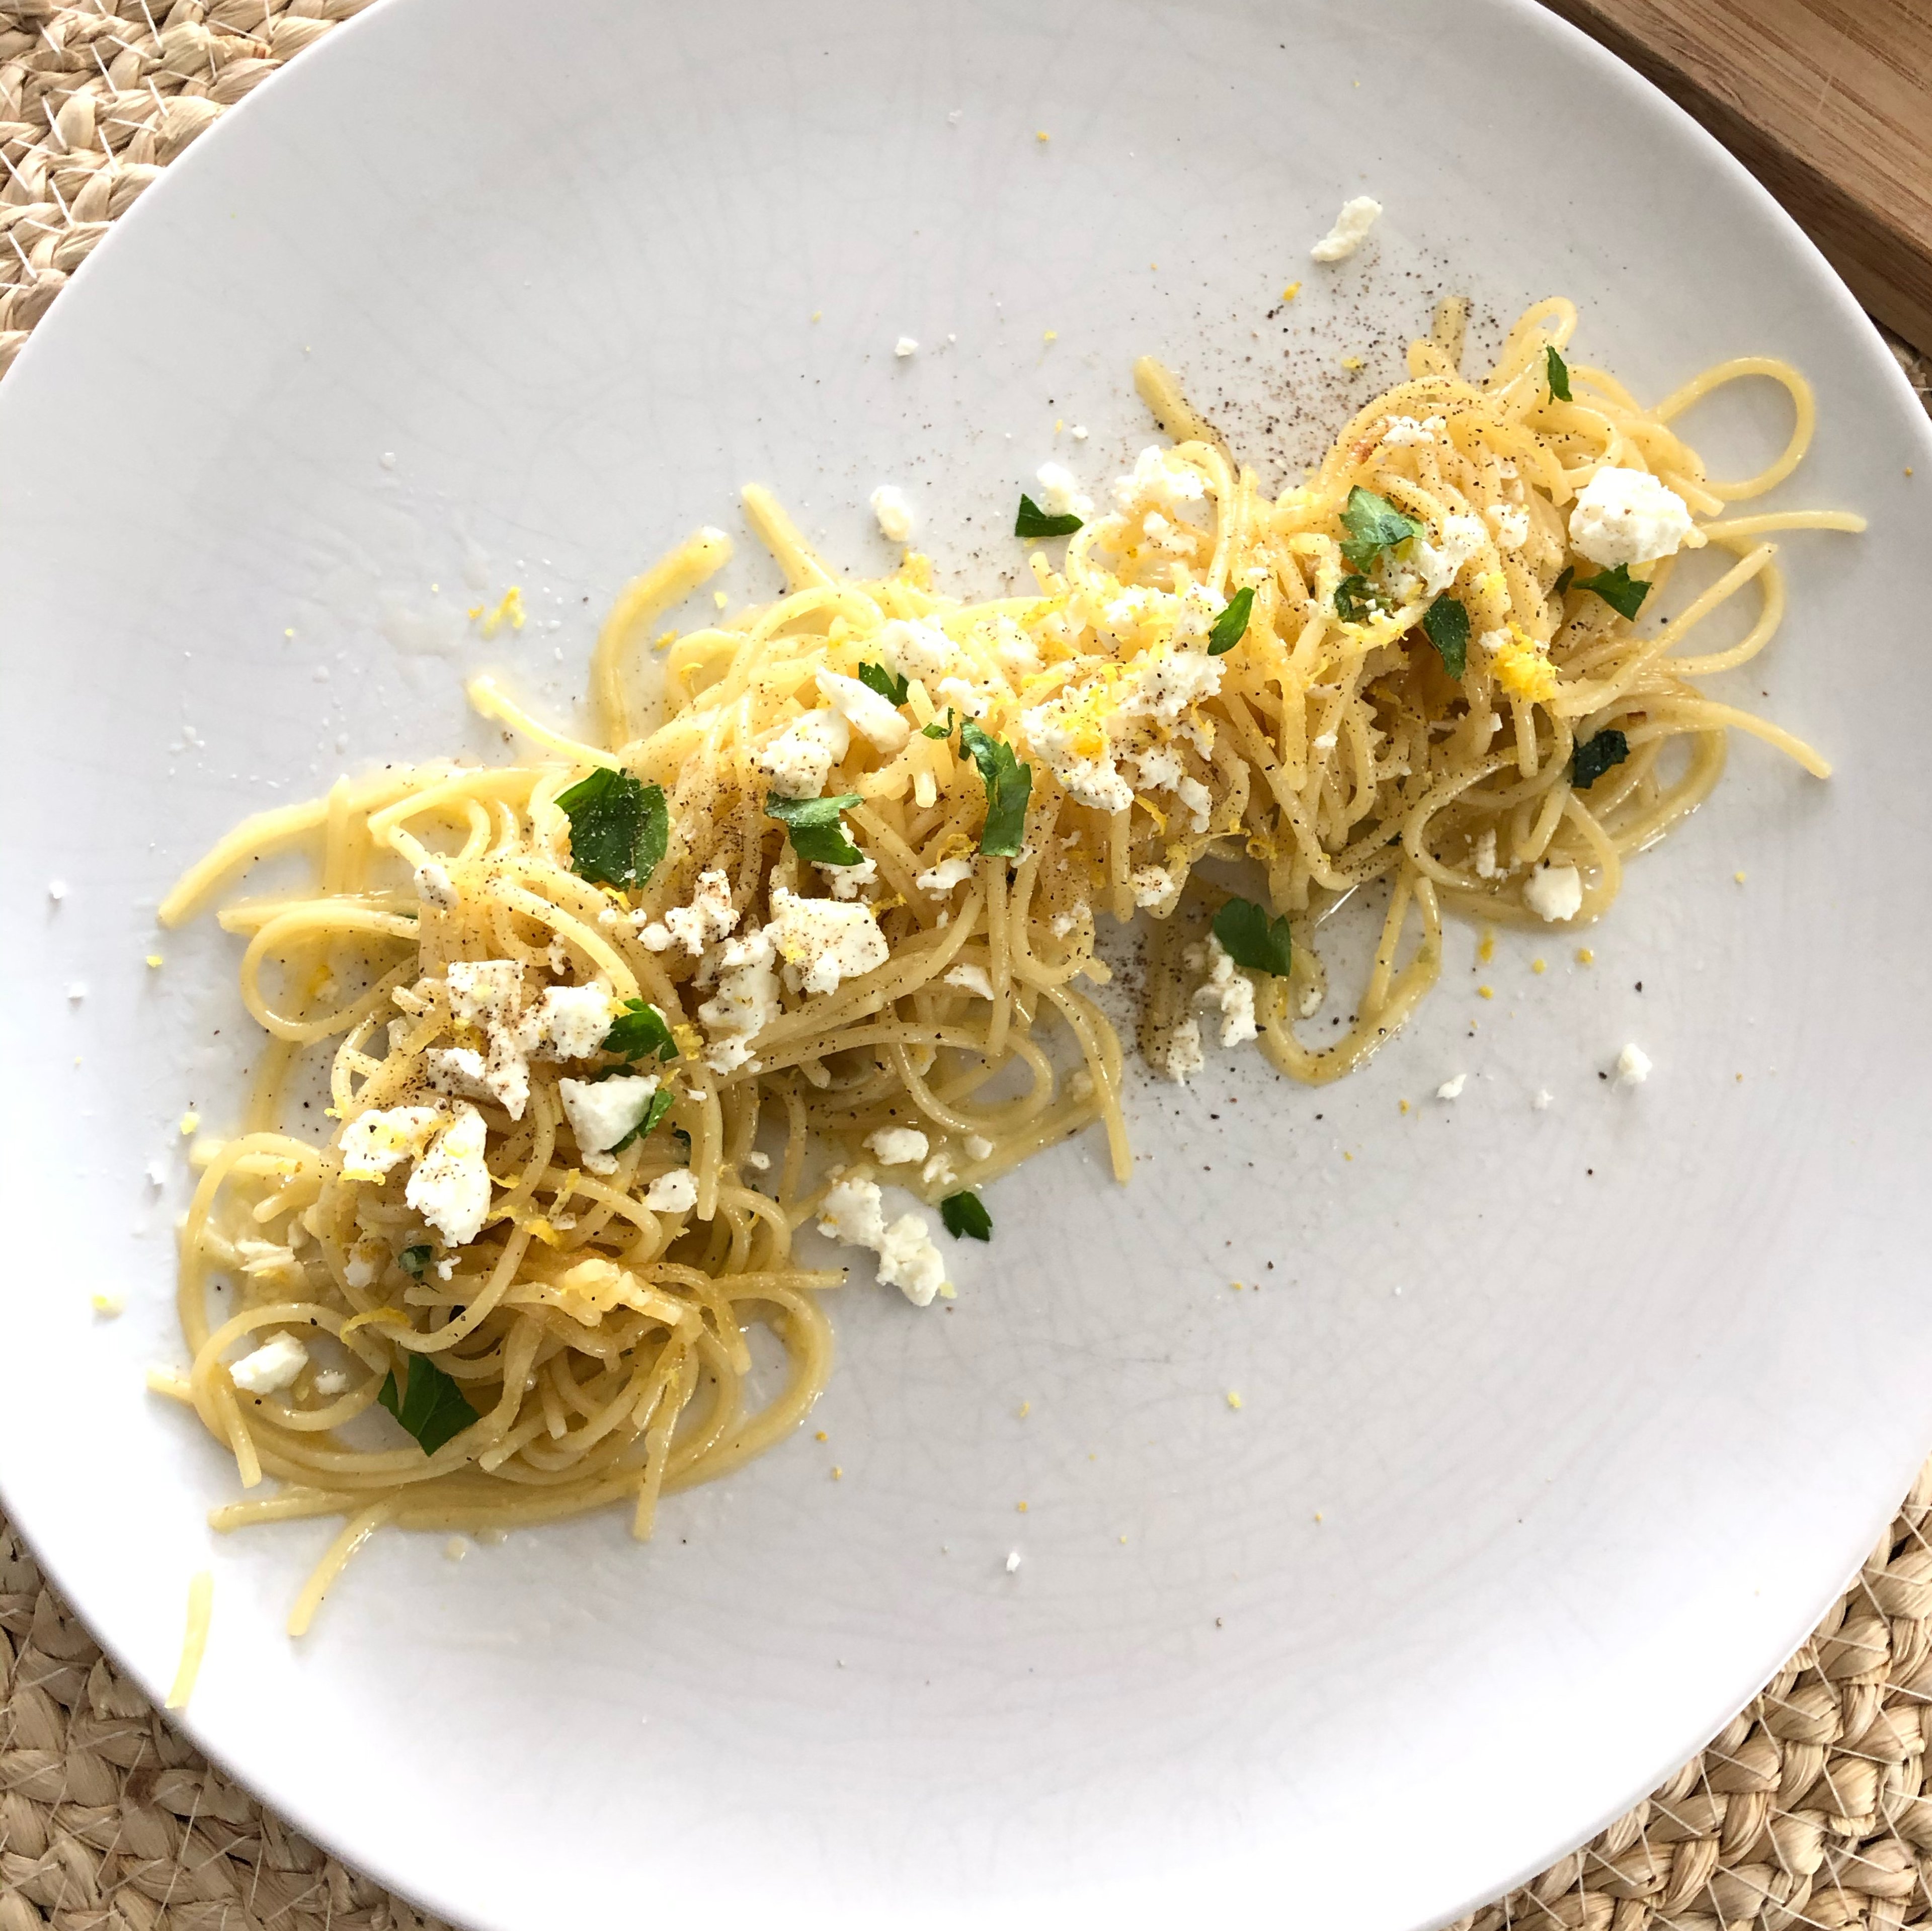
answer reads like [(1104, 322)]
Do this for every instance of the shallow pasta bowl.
[(1557, 1428)]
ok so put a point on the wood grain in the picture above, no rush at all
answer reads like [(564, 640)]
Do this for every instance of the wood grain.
[(1828, 102)]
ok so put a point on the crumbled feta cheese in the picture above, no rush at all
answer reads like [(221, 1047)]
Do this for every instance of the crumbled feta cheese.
[(1151, 885), (875, 718), (964, 696), (849, 881), (747, 999), (1492, 641), (271, 1367), (915, 647), (1159, 768), (1452, 1089), (570, 1021), (674, 1192), (1555, 892), (943, 877), (978, 1146), (823, 941), (710, 916), (1626, 515), (1462, 536), (1228, 991), (894, 513), (374, 1143), (1356, 217), (451, 1185), (1400, 432), (363, 1263), (1197, 802), (905, 345), (1184, 1056), (57, 889), (1160, 480), (484, 992), (653, 937), (1078, 434), (1486, 854), (331, 1381), (433, 887), (971, 978), (76, 991), (1633, 1066), (602, 1112), (938, 1171), (1060, 494), (898, 1146), (1510, 522), (1541, 1102), (1012, 1561), (758, 1163), (800, 758), (908, 1259)]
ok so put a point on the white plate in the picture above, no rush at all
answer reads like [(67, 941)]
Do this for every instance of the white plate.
[(1559, 1427)]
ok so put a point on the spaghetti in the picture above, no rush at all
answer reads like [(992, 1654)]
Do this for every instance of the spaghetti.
[(844, 895)]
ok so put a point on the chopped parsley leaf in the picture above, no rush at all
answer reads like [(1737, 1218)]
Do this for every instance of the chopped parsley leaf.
[(1446, 624), (1354, 601), (434, 1409), (414, 1259), (662, 1101), (1231, 625), (1009, 785), (890, 685), (1558, 372), (638, 1031), (936, 728), (813, 824), (1595, 756), (1034, 521), (618, 828), (1252, 939), (965, 1216), (1374, 524), (1623, 593), (1562, 583)]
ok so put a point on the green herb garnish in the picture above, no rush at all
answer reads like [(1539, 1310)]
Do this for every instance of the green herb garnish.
[(434, 1410), (966, 1217), (1595, 756), (936, 728), (1623, 593), (1009, 785), (1354, 601), (618, 828), (1563, 582), (1374, 524), (683, 1139), (1251, 938), (1034, 521), (813, 823), (1558, 372), (414, 1259), (662, 1101), (1231, 625), (638, 1031), (890, 685), (1446, 624)]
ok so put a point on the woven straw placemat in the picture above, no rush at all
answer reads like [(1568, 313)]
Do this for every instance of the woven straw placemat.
[(1805, 1810)]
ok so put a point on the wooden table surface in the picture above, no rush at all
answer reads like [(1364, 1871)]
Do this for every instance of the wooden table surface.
[(1829, 102)]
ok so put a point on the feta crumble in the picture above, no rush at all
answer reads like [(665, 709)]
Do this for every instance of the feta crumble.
[(1184, 1056), (799, 758), (973, 978), (1228, 991), (1633, 1066), (915, 647), (1151, 884), (674, 1192), (1555, 892), (375, 1142), (710, 916), (1452, 1089), (823, 941), (908, 1259), (1628, 515), (747, 999), (875, 718), (905, 345), (1060, 494), (894, 513), (271, 1367), (450, 1187), (1486, 854), (602, 1112), (943, 877), (978, 1146), (331, 1381), (570, 1021), (898, 1146), (1357, 216)]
